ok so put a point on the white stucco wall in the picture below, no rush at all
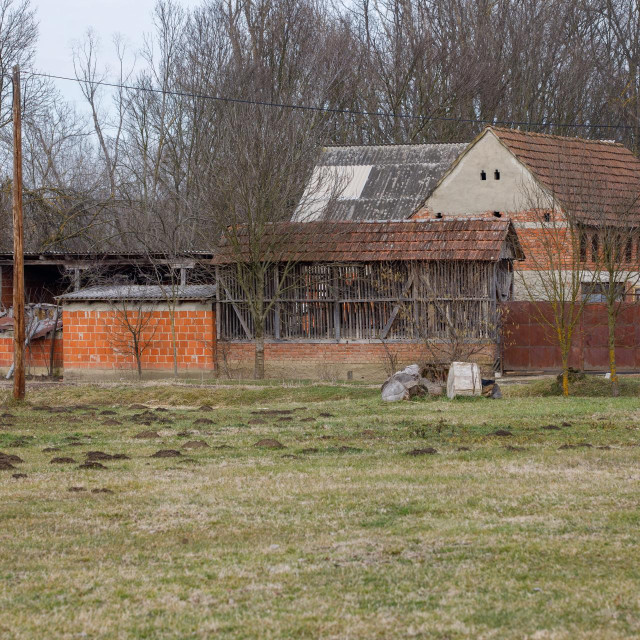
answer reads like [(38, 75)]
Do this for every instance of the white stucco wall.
[(462, 191)]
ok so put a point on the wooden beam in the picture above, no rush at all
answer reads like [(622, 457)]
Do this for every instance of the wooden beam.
[(396, 308)]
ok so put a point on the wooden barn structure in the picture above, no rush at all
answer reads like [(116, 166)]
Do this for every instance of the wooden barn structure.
[(346, 295)]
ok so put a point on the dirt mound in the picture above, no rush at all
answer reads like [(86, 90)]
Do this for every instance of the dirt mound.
[(161, 410), (256, 422), (429, 451), (101, 455), (5, 465), (10, 457), (205, 407), (502, 433), (6, 414), (166, 453), (62, 460), (285, 419), (17, 476), (102, 491), (324, 414), (184, 434), (222, 446), (108, 412), (138, 407), (604, 446), (111, 423), (566, 424), (269, 443), (76, 489), (89, 464), (203, 421), (147, 434), (463, 449), (550, 427), (196, 444)]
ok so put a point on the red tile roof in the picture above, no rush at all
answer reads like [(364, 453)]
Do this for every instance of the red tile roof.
[(593, 179), (446, 239)]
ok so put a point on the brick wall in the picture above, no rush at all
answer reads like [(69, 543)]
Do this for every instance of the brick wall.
[(95, 340), (37, 355), (327, 360)]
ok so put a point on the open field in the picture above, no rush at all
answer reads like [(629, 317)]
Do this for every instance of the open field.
[(340, 534)]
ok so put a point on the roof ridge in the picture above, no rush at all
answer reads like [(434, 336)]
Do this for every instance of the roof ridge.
[(391, 144), (536, 134)]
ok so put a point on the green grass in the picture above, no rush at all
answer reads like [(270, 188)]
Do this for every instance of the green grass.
[(491, 537)]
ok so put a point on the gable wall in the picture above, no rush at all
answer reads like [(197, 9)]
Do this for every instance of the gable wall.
[(462, 192)]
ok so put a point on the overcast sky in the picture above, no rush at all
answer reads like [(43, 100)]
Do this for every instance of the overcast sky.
[(63, 21)]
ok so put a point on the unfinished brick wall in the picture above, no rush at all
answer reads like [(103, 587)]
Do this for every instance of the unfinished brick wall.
[(37, 355), (93, 342), (328, 360)]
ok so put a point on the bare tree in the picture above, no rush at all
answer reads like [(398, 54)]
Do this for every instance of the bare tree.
[(133, 325)]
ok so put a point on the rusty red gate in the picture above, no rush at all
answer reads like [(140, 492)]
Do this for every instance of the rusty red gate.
[(527, 343)]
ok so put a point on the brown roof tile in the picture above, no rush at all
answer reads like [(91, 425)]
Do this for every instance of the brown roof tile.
[(593, 179), (441, 239)]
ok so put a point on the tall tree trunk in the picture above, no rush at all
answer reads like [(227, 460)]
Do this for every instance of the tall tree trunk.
[(258, 367), (565, 375), (615, 388)]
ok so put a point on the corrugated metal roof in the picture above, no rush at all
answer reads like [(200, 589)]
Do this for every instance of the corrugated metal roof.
[(373, 241), (399, 178), (141, 292)]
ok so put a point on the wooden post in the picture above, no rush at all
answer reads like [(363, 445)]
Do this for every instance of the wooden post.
[(18, 255)]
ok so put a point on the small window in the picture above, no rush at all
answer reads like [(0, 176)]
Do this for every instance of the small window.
[(547, 217), (595, 247), (483, 175), (496, 175), (497, 214)]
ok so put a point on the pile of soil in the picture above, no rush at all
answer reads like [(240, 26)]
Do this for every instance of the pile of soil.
[(166, 453), (62, 460), (10, 457), (268, 443), (91, 465), (429, 451), (196, 444), (101, 455), (147, 434)]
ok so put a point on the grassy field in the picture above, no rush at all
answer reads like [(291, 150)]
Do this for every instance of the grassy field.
[(339, 534)]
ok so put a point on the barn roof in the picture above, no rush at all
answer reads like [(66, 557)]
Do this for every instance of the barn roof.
[(140, 292), (596, 180), (384, 182), (464, 239)]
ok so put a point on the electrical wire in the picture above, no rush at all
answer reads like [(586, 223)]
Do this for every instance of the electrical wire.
[(385, 114)]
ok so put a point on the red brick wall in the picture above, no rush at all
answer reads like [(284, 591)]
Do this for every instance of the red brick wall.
[(37, 354), (313, 360), (93, 339)]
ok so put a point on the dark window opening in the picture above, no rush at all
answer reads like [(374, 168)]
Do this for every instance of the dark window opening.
[(628, 250), (595, 247), (497, 214), (438, 215), (583, 244), (496, 174), (483, 175), (547, 217)]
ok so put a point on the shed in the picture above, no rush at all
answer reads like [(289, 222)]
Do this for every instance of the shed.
[(350, 291), (107, 329)]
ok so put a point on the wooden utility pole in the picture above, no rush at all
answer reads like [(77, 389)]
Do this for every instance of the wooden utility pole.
[(18, 249)]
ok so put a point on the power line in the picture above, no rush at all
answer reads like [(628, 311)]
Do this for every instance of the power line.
[(385, 114)]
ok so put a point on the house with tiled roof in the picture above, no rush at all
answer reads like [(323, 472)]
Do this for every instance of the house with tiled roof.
[(525, 176)]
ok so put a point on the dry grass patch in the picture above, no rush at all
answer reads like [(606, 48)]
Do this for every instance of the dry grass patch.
[(340, 534)]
